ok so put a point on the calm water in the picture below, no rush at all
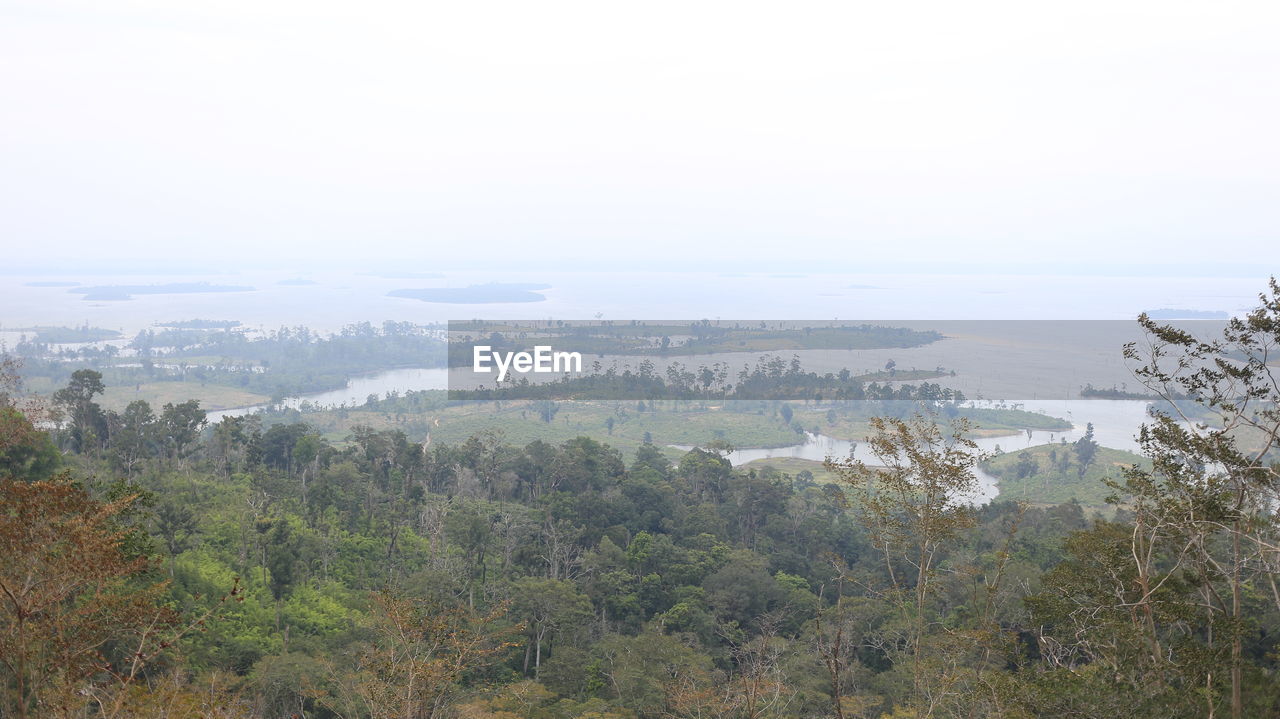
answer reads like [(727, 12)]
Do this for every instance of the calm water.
[(340, 298), (358, 390)]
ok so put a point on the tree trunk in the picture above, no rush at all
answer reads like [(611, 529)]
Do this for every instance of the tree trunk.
[(537, 655), (1237, 671)]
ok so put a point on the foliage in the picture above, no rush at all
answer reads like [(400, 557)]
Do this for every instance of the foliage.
[(80, 618), (1052, 474)]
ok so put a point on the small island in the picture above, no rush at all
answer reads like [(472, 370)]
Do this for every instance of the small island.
[(126, 292), (491, 293)]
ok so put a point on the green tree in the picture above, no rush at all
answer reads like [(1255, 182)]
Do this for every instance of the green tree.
[(546, 409), (1213, 485), (88, 423), (913, 504), (1086, 449), (180, 426), (25, 452), (134, 436), (547, 607), (176, 524)]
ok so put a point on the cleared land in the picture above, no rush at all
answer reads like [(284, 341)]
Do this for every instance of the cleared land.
[(211, 396), (792, 466)]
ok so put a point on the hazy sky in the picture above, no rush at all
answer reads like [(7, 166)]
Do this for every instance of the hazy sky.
[(473, 129)]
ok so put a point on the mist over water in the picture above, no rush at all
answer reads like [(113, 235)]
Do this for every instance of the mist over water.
[(337, 298)]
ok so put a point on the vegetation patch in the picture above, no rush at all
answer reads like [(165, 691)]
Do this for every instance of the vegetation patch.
[(795, 467), (126, 292), (494, 292), (210, 396), (1053, 473), (65, 335)]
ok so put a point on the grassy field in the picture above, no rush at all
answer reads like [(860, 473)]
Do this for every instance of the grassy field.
[(1015, 420), (211, 396), (1056, 476), (520, 423), (847, 428), (157, 394), (986, 423), (793, 466)]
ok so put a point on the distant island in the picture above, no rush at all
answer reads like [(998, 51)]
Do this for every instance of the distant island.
[(406, 275), (126, 292), (1171, 314), (199, 324), (65, 335), (680, 337), (491, 293)]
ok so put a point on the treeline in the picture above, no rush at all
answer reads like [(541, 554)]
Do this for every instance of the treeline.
[(46, 335), (282, 363), (702, 337), (772, 378)]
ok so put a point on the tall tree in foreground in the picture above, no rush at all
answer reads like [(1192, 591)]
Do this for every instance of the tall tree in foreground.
[(1153, 615), (913, 503), (1214, 482)]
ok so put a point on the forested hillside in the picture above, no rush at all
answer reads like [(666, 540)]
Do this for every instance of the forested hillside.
[(159, 566)]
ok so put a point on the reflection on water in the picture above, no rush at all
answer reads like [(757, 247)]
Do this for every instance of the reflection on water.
[(358, 390)]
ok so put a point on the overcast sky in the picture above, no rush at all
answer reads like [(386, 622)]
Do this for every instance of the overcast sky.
[(469, 129)]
